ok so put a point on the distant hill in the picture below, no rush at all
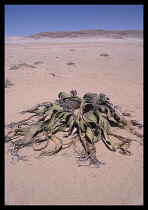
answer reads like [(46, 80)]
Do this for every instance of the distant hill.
[(90, 33)]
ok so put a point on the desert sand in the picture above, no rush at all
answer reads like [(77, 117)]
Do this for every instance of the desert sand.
[(58, 179)]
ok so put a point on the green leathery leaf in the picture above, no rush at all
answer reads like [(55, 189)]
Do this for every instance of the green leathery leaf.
[(49, 111), (57, 147), (21, 131), (64, 95), (56, 107), (71, 119), (57, 122), (85, 120), (110, 118), (111, 142), (103, 115), (59, 115), (39, 111), (54, 118), (103, 122), (59, 129), (77, 119), (71, 126), (49, 123), (123, 120), (91, 118), (97, 137), (31, 131), (102, 109), (89, 133), (82, 106), (81, 125), (55, 139), (66, 114)]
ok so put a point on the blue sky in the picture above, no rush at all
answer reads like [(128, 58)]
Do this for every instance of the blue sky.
[(25, 20)]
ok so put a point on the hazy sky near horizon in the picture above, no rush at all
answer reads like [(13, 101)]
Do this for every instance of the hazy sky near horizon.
[(25, 20)]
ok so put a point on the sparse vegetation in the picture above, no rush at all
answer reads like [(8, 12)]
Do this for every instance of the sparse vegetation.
[(38, 62), (104, 55), (14, 67), (8, 83)]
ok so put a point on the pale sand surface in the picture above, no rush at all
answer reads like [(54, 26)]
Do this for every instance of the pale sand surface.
[(57, 180)]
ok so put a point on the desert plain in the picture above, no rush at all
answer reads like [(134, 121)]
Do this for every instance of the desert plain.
[(39, 70)]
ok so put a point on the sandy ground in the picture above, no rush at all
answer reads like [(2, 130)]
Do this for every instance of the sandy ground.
[(58, 180)]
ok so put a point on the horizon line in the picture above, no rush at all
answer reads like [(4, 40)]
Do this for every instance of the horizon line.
[(75, 31)]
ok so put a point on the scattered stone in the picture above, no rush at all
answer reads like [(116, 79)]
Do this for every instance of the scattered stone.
[(53, 74), (70, 63)]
